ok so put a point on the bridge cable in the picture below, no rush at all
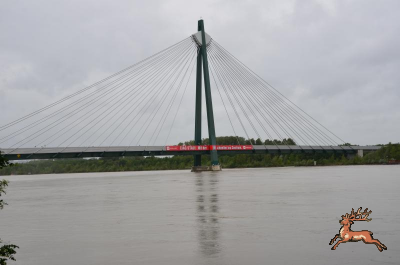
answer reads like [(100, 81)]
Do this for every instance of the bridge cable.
[(131, 122), (223, 74), (225, 78), (294, 122), (265, 130), (155, 111), (236, 74), (219, 77), (179, 105), (232, 78), (91, 126), (223, 103), (311, 130), (82, 90), (172, 100), (160, 77), (26, 128), (170, 107), (86, 106), (149, 82), (36, 123), (236, 85), (146, 105), (125, 99), (116, 129), (276, 91), (278, 107)]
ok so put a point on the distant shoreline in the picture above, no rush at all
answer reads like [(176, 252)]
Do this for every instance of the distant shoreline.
[(40, 172), (387, 155), (188, 169)]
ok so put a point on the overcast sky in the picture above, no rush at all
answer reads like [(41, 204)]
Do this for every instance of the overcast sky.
[(338, 60)]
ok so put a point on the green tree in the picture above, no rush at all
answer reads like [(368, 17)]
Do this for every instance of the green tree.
[(4, 162), (348, 144), (285, 141), (258, 141), (6, 251)]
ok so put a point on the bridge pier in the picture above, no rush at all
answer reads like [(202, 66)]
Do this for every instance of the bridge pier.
[(360, 153), (206, 168), (202, 64), (197, 130)]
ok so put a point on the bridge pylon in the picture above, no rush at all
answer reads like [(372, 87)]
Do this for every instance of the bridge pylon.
[(202, 39)]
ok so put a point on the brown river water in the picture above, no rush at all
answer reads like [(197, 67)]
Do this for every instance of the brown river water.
[(239, 216)]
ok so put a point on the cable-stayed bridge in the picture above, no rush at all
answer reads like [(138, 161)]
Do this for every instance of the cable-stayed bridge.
[(147, 108)]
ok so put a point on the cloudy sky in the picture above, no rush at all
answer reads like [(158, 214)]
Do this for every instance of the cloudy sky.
[(337, 60)]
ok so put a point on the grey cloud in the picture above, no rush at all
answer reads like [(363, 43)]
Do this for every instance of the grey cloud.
[(338, 60)]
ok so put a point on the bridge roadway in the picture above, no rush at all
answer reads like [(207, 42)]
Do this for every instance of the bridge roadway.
[(118, 151)]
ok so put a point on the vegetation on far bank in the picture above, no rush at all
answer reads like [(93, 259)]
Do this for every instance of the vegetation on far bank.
[(382, 156)]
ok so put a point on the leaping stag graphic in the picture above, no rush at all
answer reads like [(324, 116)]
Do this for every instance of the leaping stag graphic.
[(348, 235)]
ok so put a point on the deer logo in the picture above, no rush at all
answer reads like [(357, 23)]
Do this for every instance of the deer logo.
[(348, 235)]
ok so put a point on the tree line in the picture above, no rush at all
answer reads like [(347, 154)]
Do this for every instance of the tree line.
[(236, 140)]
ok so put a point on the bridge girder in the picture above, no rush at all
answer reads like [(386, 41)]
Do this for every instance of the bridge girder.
[(81, 152)]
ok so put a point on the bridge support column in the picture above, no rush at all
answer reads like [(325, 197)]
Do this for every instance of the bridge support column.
[(360, 153), (206, 168), (197, 126), (202, 59), (210, 114)]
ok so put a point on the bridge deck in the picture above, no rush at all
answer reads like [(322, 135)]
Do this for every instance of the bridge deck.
[(117, 151)]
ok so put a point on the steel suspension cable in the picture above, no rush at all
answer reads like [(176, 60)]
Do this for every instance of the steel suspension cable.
[(147, 83), (36, 123), (169, 107), (255, 87), (223, 103), (229, 77), (121, 122), (236, 75), (155, 111), (81, 91), (237, 83), (221, 81), (144, 110), (179, 105), (226, 80), (101, 105), (276, 91), (278, 100), (86, 130), (215, 58), (45, 131)]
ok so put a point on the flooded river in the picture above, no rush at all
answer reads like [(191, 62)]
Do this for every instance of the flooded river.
[(242, 216)]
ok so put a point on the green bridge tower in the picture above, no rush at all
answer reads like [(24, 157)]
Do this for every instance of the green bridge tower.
[(203, 39)]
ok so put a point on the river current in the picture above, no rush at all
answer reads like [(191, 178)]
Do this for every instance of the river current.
[(236, 216)]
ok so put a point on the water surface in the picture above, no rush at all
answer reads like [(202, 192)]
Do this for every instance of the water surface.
[(243, 216)]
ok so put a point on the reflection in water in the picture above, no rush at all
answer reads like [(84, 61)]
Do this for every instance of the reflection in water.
[(207, 214)]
